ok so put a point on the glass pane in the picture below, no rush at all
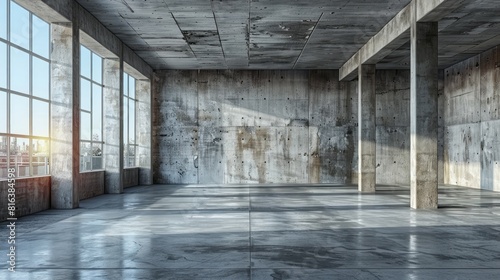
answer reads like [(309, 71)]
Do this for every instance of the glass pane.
[(3, 112), (131, 87), (40, 118), (3, 156), (3, 19), (125, 156), (131, 120), (3, 65), (85, 94), (85, 156), (19, 114), (96, 68), (125, 121), (41, 75), (19, 70), (85, 62), (19, 26), (20, 155), (41, 37), (40, 158), (85, 129), (131, 155), (125, 84), (97, 113), (96, 156)]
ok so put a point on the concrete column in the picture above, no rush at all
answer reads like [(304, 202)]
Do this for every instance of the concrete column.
[(113, 138), (424, 115), (65, 121), (143, 131), (366, 129)]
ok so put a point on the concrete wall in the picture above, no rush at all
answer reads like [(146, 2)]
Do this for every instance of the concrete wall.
[(273, 127), (393, 126), (130, 177), (472, 122), (252, 127), (91, 184), (32, 195)]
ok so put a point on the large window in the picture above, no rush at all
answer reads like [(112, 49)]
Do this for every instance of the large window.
[(129, 102), (90, 110), (24, 91)]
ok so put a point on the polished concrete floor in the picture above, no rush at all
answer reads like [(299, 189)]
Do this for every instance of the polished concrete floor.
[(262, 232)]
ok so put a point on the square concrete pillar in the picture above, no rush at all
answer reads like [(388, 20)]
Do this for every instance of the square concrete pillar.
[(65, 120), (424, 115), (366, 127), (113, 136), (143, 131)]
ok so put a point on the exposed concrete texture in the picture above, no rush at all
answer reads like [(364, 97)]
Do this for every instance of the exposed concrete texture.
[(131, 58), (143, 128), (91, 184), (91, 26), (472, 126), (242, 34), (57, 11), (424, 115), (32, 195), (390, 37), (273, 126), (130, 177), (366, 129), (312, 232), (112, 115), (64, 119), (253, 127), (393, 126)]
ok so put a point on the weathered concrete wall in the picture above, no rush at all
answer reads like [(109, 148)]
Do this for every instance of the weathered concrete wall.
[(393, 126), (32, 195), (130, 177), (253, 127), (272, 127), (91, 184), (472, 122)]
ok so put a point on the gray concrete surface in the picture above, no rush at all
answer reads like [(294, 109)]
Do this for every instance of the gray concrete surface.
[(263, 232), (424, 90), (197, 116), (253, 126), (64, 193), (367, 133), (112, 132), (472, 122)]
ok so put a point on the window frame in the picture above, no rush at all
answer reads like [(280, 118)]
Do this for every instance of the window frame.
[(30, 95), (126, 138), (92, 142)]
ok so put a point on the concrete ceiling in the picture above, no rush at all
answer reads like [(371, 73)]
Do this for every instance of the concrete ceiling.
[(244, 34), (281, 34)]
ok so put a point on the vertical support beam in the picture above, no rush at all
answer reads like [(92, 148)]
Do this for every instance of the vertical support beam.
[(366, 129), (143, 131), (65, 89), (65, 113), (112, 121), (424, 115)]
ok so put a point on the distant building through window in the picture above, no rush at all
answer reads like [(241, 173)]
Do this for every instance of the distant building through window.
[(91, 141)]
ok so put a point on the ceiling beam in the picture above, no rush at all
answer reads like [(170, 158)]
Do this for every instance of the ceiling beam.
[(396, 33)]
